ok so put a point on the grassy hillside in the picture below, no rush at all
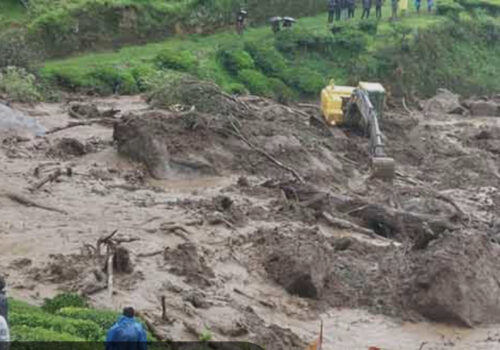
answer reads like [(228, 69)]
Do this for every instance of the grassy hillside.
[(62, 27), (64, 318), (300, 61), (294, 63)]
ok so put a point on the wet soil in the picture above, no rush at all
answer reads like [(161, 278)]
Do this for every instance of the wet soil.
[(247, 249)]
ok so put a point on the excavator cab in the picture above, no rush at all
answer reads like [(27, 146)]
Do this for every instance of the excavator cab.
[(360, 107)]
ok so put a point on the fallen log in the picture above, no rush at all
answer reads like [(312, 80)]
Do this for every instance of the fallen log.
[(30, 203), (80, 123), (50, 178)]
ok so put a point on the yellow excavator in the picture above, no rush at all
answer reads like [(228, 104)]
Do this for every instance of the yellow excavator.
[(360, 107)]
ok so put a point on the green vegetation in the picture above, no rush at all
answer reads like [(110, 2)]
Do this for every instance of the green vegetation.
[(65, 317), (19, 85), (294, 63), (63, 300)]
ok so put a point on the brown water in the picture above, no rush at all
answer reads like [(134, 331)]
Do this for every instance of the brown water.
[(95, 208)]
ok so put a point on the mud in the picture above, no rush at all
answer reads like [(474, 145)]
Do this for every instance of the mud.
[(259, 250)]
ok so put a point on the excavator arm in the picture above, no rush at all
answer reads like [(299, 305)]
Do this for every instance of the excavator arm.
[(360, 112)]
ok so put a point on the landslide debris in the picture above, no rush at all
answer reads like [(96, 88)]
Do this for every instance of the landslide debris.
[(267, 241), (173, 144)]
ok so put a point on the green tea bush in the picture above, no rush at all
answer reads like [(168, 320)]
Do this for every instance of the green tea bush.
[(255, 81), (113, 78), (281, 92), (449, 8), (19, 85), (304, 80), (182, 60), (60, 301), (80, 328), (15, 50), (236, 89), (266, 58), (369, 26), (290, 41), (142, 73), (103, 318), (235, 59), (25, 333)]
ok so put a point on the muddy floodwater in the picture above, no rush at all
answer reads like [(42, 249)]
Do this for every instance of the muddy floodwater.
[(239, 245)]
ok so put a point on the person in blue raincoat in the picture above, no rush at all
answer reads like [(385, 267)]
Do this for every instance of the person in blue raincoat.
[(126, 333)]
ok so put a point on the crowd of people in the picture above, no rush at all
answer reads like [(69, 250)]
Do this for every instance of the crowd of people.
[(344, 9)]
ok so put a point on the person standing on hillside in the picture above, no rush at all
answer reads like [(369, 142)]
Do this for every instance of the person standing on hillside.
[(394, 6), (331, 10), (378, 9), (403, 6), (127, 333), (343, 8), (418, 3), (240, 21), (351, 6), (4, 308), (430, 4), (4, 334), (367, 5)]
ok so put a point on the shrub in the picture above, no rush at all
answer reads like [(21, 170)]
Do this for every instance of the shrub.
[(179, 60), (368, 26), (142, 73), (80, 328), (38, 334), (19, 85), (235, 59), (281, 92), (289, 41), (113, 80), (449, 8), (305, 80), (266, 58), (103, 318), (63, 300), (236, 88), (16, 51), (255, 81)]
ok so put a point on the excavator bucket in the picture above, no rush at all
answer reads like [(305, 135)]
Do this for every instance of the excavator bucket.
[(383, 168)]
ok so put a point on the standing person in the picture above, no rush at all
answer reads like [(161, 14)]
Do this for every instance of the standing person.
[(430, 3), (240, 21), (403, 6), (378, 9), (418, 3), (367, 4), (275, 24), (394, 6), (343, 8), (126, 333), (351, 6), (331, 10), (338, 9), (4, 309), (4, 334)]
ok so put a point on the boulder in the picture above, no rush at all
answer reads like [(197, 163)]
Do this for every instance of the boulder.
[(485, 109)]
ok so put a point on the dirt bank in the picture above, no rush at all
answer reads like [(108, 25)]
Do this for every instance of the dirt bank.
[(256, 227)]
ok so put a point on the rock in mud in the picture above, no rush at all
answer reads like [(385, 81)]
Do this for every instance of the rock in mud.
[(154, 139), (84, 111), (186, 260), (444, 102), (301, 267), (122, 262), (141, 140), (67, 147), (455, 280), (485, 109)]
